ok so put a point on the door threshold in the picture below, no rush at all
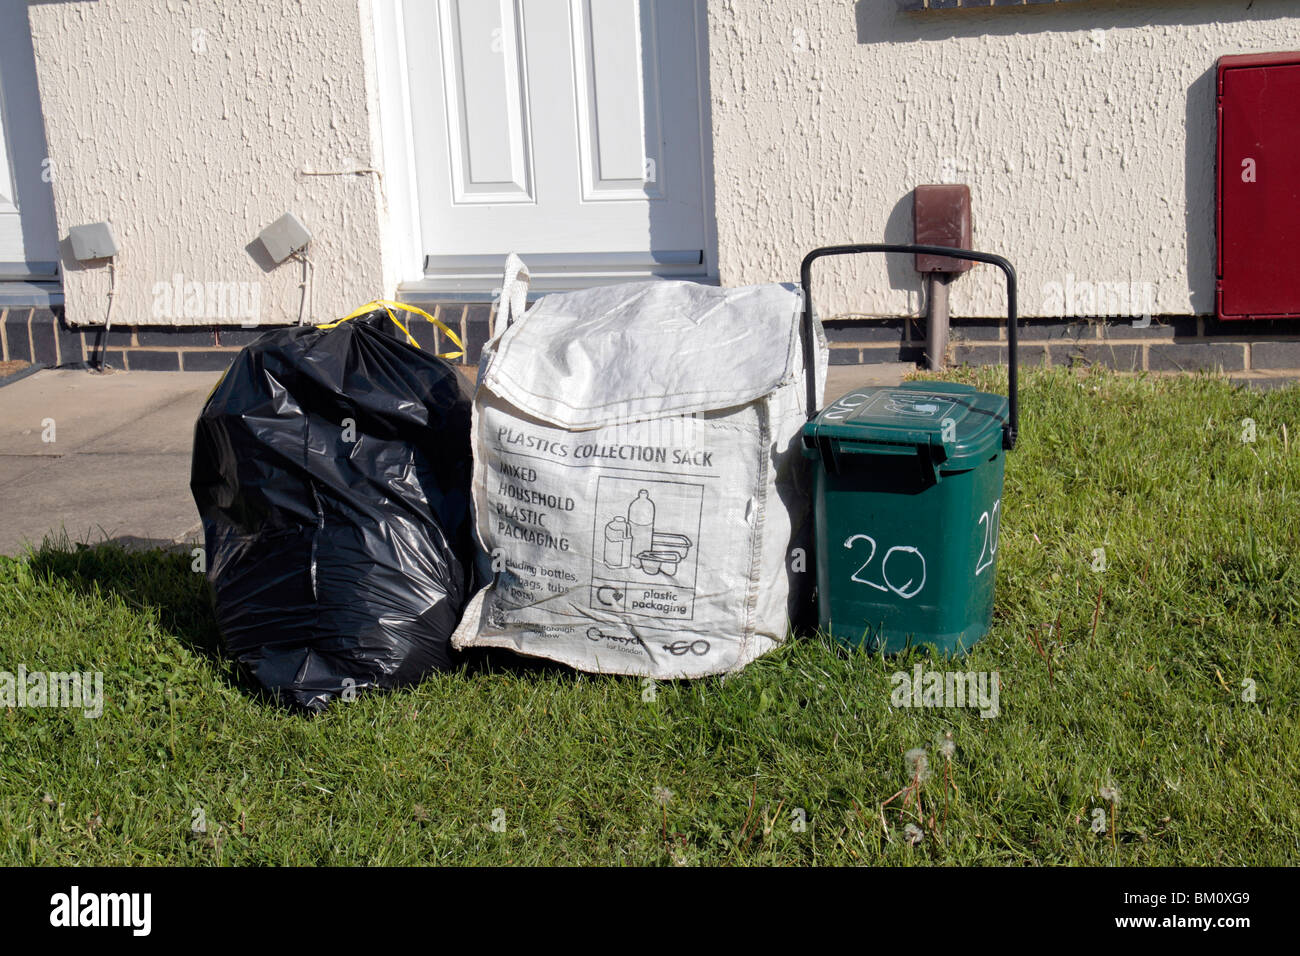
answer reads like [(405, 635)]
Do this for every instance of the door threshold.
[(481, 288), (20, 293)]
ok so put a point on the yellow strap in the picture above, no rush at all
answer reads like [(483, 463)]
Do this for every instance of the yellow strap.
[(388, 305)]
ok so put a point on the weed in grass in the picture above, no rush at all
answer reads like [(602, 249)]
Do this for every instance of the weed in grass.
[(947, 749), (1110, 795)]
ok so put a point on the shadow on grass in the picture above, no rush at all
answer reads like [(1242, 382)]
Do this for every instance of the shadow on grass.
[(146, 577), (157, 577), (152, 577)]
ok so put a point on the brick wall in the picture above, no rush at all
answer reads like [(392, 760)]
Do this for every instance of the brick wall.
[(1247, 351), (1266, 352), (41, 336)]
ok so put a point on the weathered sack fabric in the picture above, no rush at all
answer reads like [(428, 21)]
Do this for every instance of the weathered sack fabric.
[(638, 481)]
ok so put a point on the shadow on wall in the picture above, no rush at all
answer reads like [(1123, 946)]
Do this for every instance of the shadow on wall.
[(901, 270), (881, 21), (685, 132), (1198, 203)]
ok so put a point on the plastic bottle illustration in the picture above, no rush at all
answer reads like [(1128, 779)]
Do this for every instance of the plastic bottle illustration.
[(641, 516), (618, 543)]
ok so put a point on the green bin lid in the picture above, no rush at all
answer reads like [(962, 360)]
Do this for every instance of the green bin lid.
[(919, 414)]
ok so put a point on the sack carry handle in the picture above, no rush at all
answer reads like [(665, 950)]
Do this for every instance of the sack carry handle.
[(1011, 427), (514, 289)]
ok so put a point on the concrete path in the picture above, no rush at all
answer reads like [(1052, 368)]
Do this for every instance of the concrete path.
[(118, 464), (842, 379)]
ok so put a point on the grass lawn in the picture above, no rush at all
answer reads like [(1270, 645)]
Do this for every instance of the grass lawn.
[(1200, 603)]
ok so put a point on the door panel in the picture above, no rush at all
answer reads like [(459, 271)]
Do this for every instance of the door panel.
[(483, 84), (617, 110)]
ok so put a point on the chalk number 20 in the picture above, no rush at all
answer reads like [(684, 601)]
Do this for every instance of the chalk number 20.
[(916, 564)]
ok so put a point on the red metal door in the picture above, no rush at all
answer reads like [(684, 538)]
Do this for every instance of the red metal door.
[(1258, 202)]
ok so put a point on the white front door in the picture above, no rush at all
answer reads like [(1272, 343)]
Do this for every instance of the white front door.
[(28, 240), (569, 131)]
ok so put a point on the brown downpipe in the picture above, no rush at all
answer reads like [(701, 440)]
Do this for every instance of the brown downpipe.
[(936, 320)]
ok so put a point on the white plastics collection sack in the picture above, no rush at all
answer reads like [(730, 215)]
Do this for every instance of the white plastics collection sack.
[(638, 481)]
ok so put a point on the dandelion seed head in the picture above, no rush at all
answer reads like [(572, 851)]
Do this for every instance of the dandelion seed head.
[(1110, 794), (917, 762), (913, 834), (947, 746), (663, 796)]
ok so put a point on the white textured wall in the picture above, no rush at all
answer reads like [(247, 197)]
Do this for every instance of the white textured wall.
[(1086, 132), (190, 143)]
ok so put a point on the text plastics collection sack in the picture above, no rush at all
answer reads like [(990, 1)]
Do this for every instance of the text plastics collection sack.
[(332, 472), (638, 481)]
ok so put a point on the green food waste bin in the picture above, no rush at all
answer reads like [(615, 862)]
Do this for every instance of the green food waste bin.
[(908, 498)]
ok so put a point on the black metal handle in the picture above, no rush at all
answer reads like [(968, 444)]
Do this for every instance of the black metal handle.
[(1010, 429)]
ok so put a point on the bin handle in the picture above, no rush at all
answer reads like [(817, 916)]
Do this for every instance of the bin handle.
[(876, 448), (1011, 427)]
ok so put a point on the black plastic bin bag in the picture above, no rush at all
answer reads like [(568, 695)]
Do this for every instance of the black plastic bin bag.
[(332, 472)]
